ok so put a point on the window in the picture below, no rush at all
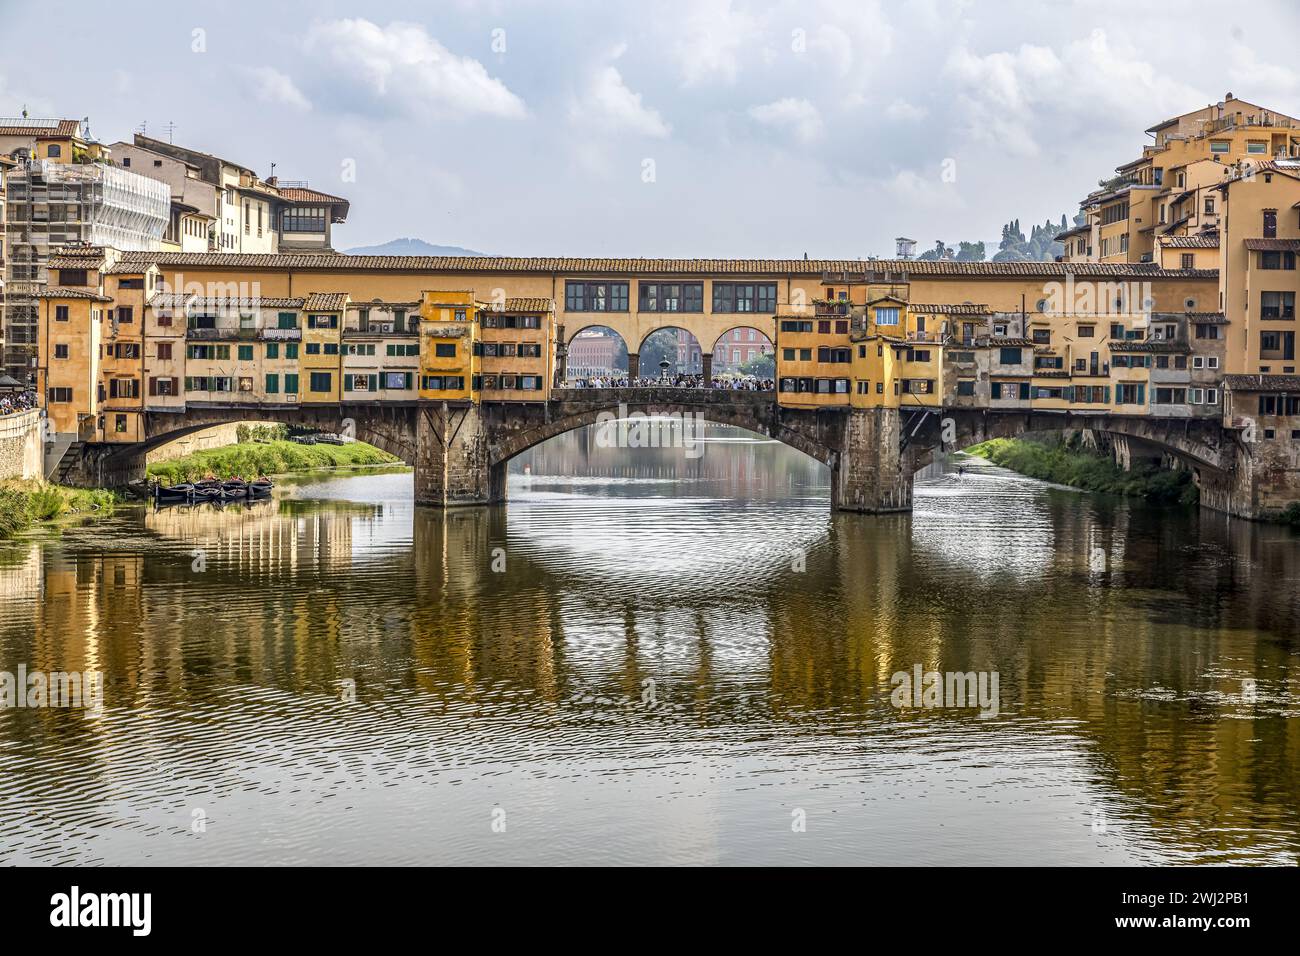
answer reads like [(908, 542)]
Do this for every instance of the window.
[(1277, 305), (304, 219), (1115, 213), (1189, 260), (313, 348), (245, 353), (321, 381), (442, 383), (1277, 260), (291, 350), (291, 384), (787, 355), (1270, 224), (965, 387), (162, 386), (794, 325), (273, 350), (322, 322), (1209, 205), (1042, 336), (1220, 145), (165, 351), (54, 150), (60, 395), (445, 350), (119, 423), (887, 315), (595, 296), (272, 383), (286, 320), (1128, 393), (729, 297), (73, 277), (1087, 331), (60, 313), (1009, 356), (671, 296), (1256, 147), (60, 351), (1171, 396)]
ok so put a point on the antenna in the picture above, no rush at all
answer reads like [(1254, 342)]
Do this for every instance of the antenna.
[(169, 127), (143, 128)]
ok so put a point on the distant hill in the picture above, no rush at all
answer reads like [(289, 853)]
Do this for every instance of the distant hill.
[(410, 247)]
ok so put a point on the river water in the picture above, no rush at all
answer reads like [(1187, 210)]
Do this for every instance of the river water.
[(656, 656)]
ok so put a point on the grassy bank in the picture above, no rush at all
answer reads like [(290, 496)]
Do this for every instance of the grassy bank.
[(23, 503), (250, 459), (1069, 464)]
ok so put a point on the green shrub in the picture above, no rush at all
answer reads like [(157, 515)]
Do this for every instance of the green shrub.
[(275, 457), (1068, 463)]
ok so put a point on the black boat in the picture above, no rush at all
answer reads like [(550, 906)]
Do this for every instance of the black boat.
[(261, 488), (172, 494)]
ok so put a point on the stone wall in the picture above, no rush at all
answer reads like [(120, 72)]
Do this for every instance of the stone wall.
[(218, 436), (21, 450)]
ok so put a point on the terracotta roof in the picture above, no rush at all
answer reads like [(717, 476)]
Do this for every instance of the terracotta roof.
[(530, 304), (59, 292), (170, 300), (127, 268), (263, 302), (963, 309), (1285, 167), (75, 262), (1259, 383), (326, 302), (1148, 346), (1273, 245), (297, 194), (579, 266), (61, 128), (1191, 242), (1073, 231)]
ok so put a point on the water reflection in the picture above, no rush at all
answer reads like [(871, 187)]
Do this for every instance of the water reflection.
[(505, 658)]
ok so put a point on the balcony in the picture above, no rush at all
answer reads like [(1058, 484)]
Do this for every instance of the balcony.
[(280, 335), (832, 309), (222, 335)]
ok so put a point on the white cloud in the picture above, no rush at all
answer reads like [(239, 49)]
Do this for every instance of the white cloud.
[(904, 112), (608, 100), (269, 85), (709, 41), (1009, 97), (400, 63), (796, 117)]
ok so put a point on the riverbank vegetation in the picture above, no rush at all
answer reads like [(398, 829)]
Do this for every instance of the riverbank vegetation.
[(24, 503), (1070, 463), (265, 457)]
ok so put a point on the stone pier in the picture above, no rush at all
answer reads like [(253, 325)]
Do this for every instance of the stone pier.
[(452, 463), (871, 474)]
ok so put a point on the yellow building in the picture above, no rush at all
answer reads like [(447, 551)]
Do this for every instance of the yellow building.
[(1168, 192), (322, 338), (449, 347)]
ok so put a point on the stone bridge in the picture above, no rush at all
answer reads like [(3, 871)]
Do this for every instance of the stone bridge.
[(460, 451)]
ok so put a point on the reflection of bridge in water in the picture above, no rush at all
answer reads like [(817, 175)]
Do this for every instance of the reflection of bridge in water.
[(598, 596), (460, 451)]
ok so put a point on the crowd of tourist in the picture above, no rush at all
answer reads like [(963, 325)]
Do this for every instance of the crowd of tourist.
[(744, 384), (11, 402)]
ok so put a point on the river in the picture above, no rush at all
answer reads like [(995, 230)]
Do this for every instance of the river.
[(651, 656)]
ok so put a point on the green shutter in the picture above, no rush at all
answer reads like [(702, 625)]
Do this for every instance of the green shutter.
[(291, 350), (291, 383), (272, 384), (272, 350)]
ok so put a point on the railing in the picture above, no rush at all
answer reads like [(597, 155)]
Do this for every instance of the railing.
[(201, 335), (281, 335)]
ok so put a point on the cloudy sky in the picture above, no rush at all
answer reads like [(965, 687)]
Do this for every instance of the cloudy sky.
[(701, 128)]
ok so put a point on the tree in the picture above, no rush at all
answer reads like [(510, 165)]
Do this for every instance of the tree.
[(761, 366)]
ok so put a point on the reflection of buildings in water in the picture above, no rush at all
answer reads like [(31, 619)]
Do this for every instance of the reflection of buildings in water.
[(273, 537), (484, 612), (20, 572)]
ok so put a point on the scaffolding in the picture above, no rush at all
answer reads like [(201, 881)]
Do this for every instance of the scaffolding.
[(56, 204)]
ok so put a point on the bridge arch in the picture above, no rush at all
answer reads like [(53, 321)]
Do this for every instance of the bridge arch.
[(752, 411), (584, 355), (670, 341)]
